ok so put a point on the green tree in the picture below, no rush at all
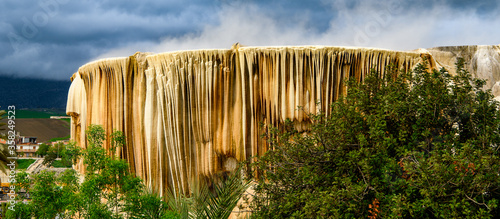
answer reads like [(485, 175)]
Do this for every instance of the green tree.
[(213, 197), (143, 203), (108, 178), (22, 210), (405, 144), (52, 153), (109, 190), (43, 149), (51, 195), (101, 177), (68, 154)]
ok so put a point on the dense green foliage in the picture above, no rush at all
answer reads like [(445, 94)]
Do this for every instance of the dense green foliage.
[(420, 144), (24, 163), (43, 149), (213, 197), (60, 164), (109, 190), (67, 153), (148, 205)]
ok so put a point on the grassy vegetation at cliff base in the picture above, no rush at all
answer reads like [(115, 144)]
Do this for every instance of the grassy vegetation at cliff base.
[(59, 164), (24, 163)]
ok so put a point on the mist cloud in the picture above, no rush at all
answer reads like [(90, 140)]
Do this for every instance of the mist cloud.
[(389, 24), (83, 31)]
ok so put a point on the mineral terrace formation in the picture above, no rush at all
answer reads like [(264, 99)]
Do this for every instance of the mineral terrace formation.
[(190, 114)]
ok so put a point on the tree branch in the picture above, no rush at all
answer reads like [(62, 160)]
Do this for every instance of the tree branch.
[(477, 202)]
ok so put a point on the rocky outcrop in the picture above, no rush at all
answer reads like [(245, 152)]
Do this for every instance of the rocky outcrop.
[(190, 114), (482, 61)]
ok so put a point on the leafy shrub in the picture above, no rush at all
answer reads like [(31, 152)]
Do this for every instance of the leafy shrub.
[(417, 144)]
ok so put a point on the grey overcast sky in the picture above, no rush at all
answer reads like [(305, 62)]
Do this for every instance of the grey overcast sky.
[(50, 39)]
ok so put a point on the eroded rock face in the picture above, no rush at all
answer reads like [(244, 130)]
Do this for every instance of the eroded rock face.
[(482, 61), (190, 114)]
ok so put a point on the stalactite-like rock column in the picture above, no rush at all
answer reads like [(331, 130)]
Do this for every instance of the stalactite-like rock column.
[(111, 93), (191, 114), (194, 103), (278, 80)]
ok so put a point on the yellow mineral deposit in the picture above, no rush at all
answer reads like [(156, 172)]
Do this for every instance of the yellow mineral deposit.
[(190, 114)]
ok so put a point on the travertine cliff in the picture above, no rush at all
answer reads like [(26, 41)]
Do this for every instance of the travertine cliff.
[(190, 114), (482, 61)]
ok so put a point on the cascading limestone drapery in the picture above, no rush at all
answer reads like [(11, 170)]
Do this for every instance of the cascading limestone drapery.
[(190, 114)]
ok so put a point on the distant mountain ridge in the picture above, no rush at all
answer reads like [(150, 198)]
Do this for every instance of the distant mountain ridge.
[(33, 93)]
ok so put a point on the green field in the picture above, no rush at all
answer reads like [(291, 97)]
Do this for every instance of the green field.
[(60, 138), (37, 114), (58, 164), (24, 163)]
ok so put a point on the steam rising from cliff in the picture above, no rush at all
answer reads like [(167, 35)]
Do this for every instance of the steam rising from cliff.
[(392, 24), (53, 37)]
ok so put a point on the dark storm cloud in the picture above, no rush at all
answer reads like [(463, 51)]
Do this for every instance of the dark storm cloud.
[(52, 38)]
